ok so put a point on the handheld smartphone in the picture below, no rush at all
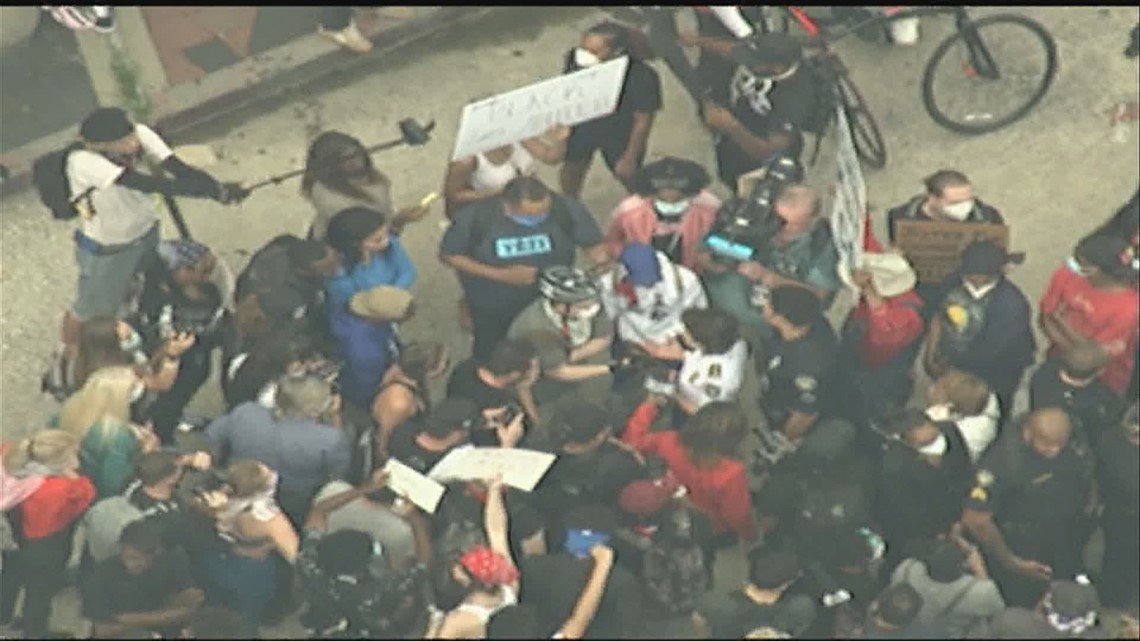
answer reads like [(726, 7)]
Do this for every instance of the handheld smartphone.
[(579, 542), (429, 199)]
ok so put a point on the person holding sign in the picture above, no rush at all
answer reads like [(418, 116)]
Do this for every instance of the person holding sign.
[(622, 136), (983, 325), (484, 175)]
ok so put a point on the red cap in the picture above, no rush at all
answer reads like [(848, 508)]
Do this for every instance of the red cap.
[(488, 566), (648, 497)]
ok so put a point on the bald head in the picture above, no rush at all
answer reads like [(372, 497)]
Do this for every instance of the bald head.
[(1085, 359), (1047, 431)]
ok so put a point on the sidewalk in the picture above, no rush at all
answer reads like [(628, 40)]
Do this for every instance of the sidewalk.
[(213, 59)]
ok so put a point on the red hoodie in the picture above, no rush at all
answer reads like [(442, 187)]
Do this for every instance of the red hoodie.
[(721, 491), (54, 505)]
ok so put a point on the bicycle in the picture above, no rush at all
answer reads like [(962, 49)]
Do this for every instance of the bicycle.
[(980, 67)]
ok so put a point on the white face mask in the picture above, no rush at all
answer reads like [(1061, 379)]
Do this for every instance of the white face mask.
[(586, 312), (935, 448), (941, 412), (959, 211), (978, 292), (671, 209), (585, 58)]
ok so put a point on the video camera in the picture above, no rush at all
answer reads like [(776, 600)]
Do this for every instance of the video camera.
[(744, 227)]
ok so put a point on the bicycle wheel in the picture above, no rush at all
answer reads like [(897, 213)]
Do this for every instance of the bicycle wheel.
[(865, 132), (1003, 66)]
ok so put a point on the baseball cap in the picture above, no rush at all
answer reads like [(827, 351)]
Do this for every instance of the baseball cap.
[(106, 124), (640, 261), (1108, 253), (768, 49), (987, 258), (648, 496)]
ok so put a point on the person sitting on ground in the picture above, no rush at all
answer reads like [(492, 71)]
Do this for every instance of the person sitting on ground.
[(145, 587), (300, 438), (484, 175), (1072, 382), (672, 211), (712, 355), (571, 333), (762, 601), (339, 175), (705, 457), (404, 396), (646, 294), (966, 400), (957, 592)]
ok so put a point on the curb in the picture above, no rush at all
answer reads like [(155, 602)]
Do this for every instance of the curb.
[(252, 80)]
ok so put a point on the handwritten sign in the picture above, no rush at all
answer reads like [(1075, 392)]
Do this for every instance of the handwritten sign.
[(521, 469), (849, 204), (528, 111), (934, 248), (415, 487)]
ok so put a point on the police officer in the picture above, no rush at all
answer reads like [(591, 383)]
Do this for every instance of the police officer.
[(796, 379), (1029, 507), (1118, 476), (1072, 382)]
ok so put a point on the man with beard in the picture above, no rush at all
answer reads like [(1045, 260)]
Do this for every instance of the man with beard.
[(119, 209)]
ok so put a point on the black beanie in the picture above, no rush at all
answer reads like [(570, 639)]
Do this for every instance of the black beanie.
[(106, 124)]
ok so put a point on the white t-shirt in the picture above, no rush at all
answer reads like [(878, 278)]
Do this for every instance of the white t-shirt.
[(120, 215), (979, 431), (712, 377), (488, 175), (656, 316)]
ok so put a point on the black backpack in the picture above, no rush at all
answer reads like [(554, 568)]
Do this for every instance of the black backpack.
[(49, 175)]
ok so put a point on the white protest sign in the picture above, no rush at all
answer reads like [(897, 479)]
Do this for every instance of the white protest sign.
[(415, 487), (521, 469), (528, 111), (849, 204)]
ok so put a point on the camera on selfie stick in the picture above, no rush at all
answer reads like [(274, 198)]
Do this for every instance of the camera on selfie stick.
[(745, 226)]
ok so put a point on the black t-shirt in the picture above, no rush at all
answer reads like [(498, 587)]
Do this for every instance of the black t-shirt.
[(916, 500), (553, 583), (1093, 407), (595, 477), (465, 383), (111, 590), (640, 93), (766, 108), (1118, 471), (733, 615), (798, 375), (403, 447)]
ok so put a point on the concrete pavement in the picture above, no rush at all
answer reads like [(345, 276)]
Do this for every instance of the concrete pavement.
[(1055, 175)]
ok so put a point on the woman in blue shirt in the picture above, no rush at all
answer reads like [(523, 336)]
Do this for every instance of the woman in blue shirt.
[(371, 257)]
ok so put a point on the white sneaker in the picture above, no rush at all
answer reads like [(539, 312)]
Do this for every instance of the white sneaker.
[(350, 38)]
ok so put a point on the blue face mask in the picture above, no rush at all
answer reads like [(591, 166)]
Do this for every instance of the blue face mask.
[(1075, 266), (533, 220)]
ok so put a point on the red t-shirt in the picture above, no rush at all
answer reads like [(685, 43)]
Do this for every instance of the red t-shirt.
[(1111, 318), (721, 492)]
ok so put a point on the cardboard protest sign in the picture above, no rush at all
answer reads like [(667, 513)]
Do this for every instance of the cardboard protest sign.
[(849, 199), (417, 488), (934, 249), (521, 469), (568, 99)]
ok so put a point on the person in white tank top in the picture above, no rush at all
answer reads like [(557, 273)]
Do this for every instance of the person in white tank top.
[(483, 175)]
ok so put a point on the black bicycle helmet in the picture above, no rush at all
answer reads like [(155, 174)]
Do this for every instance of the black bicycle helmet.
[(566, 285)]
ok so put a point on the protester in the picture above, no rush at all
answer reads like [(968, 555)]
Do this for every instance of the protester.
[(622, 136), (949, 198), (965, 400), (484, 175), (252, 376), (503, 382), (571, 334), (1030, 505), (339, 175), (671, 210), (282, 283), (894, 615), (449, 425), (645, 294), (763, 601), (982, 325), (146, 587), (499, 246), (404, 396), (119, 229), (373, 509), (298, 438), (1094, 297), (705, 457), (881, 337), (99, 416), (796, 381), (44, 495)]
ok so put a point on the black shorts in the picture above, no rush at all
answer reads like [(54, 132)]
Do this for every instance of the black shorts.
[(584, 141)]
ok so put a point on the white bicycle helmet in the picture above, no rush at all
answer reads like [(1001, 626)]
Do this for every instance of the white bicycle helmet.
[(566, 285)]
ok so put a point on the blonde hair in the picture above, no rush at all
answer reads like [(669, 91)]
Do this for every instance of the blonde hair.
[(103, 402), (967, 393), (53, 448)]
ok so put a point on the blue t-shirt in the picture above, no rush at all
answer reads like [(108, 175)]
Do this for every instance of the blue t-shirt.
[(506, 242)]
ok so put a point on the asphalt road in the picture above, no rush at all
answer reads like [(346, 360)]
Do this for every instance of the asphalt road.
[(1055, 174)]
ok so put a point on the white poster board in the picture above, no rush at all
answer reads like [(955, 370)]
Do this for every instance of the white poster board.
[(521, 469), (568, 99), (849, 200), (415, 487)]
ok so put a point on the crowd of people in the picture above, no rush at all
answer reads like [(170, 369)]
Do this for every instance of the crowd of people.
[(865, 507)]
